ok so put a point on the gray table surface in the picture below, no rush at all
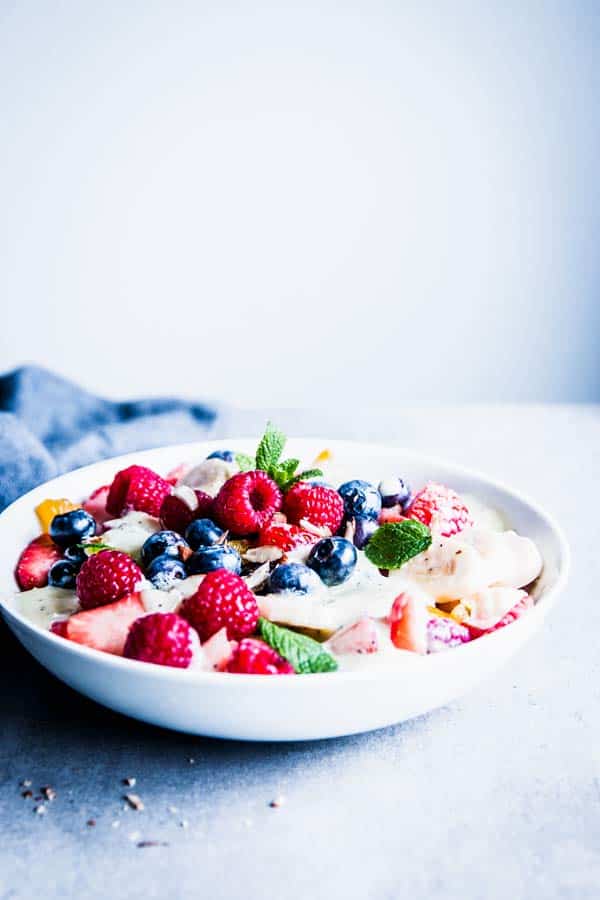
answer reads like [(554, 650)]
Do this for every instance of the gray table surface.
[(494, 796)]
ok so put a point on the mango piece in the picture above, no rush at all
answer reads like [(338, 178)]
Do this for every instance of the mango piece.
[(47, 509)]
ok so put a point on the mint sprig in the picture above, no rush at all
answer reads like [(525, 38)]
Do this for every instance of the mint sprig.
[(304, 476), (270, 448), (245, 463), (94, 547), (305, 655), (394, 543), (268, 458)]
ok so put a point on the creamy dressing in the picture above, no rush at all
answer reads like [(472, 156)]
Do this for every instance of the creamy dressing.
[(483, 516), (169, 601), (326, 609), (43, 606), (482, 568)]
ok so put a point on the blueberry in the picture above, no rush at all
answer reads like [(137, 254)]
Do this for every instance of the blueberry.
[(162, 543), (219, 556), (226, 455), (394, 491), (333, 559), (364, 531), (63, 574), (76, 555), (203, 533), (361, 499), (72, 527), (164, 571), (294, 578)]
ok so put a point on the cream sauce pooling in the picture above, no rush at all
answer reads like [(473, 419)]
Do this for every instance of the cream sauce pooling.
[(43, 606), (367, 591)]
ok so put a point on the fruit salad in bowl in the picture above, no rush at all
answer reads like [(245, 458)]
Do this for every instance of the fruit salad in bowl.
[(243, 564)]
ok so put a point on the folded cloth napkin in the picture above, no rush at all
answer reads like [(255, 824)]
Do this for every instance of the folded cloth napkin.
[(49, 425)]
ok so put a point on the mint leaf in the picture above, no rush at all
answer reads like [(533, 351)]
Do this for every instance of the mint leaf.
[(268, 458), (270, 448), (304, 476), (94, 547), (305, 655), (283, 471), (288, 467), (394, 543), (246, 463)]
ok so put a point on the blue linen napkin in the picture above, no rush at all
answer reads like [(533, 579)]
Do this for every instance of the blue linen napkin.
[(49, 425)]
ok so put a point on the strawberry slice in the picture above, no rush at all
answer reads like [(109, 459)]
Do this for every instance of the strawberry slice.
[(408, 623), (218, 650), (512, 615), (95, 504), (176, 474), (59, 627), (391, 514), (358, 637), (285, 536), (105, 627), (35, 562)]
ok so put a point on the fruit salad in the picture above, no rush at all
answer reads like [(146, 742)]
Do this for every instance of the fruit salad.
[(255, 565)]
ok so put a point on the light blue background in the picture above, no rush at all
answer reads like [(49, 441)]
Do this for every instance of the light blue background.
[(373, 203)]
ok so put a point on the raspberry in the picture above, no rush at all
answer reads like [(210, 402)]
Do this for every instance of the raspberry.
[(440, 508), (444, 632), (162, 638), (105, 577), (319, 505), (286, 537), (179, 509), (246, 502), (222, 600), (254, 657), (137, 488)]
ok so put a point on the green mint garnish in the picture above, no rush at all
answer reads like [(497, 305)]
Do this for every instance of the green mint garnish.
[(268, 458), (394, 543), (94, 547), (285, 469), (304, 654), (270, 448), (246, 463), (305, 476)]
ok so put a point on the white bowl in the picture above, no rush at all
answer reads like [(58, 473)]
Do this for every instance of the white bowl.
[(251, 707)]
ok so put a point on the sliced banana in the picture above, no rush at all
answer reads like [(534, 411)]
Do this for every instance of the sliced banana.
[(209, 476), (490, 605), (473, 560), (129, 532)]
